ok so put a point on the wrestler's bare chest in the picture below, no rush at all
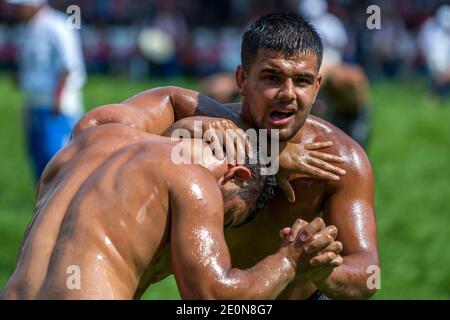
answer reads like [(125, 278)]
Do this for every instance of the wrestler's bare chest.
[(251, 242)]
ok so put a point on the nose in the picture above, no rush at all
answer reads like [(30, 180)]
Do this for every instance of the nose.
[(287, 93)]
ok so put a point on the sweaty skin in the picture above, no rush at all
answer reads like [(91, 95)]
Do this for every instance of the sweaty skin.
[(114, 205), (275, 82)]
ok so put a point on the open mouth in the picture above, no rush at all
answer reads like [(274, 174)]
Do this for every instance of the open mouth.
[(280, 115)]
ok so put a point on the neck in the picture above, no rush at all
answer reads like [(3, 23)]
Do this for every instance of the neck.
[(245, 113)]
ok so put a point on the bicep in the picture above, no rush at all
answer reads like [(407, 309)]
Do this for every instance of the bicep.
[(156, 107), (351, 209), (149, 111), (166, 105), (200, 257)]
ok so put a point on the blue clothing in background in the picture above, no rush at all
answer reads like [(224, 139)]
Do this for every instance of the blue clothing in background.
[(46, 133)]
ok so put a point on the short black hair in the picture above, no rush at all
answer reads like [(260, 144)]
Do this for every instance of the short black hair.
[(267, 194), (259, 185), (285, 32)]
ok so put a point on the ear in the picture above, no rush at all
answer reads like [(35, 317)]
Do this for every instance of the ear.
[(241, 80), (238, 172)]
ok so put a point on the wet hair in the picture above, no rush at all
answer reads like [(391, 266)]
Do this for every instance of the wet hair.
[(285, 32), (267, 194)]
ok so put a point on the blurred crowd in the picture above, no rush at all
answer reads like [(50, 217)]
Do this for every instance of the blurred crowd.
[(200, 37)]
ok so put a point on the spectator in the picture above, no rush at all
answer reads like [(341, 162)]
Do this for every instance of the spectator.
[(434, 42), (344, 94), (51, 75)]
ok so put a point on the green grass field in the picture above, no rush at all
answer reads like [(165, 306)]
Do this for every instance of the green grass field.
[(409, 151)]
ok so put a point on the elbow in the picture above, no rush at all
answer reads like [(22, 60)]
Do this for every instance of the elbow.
[(369, 293), (370, 275), (211, 292), (354, 282), (225, 287), (371, 282)]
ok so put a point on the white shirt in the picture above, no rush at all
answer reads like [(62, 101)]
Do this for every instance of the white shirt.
[(331, 30), (49, 47), (434, 41)]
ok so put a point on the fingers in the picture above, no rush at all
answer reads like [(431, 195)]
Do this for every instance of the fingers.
[(337, 261), (249, 147), (235, 142), (326, 166), (326, 258), (335, 247), (235, 146), (242, 141), (287, 189), (229, 124), (318, 173), (284, 232), (214, 137), (296, 227), (317, 145), (216, 142), (219, 130), (321, 240), (330, 230), (313, 227), (230, 148), (326, 156)]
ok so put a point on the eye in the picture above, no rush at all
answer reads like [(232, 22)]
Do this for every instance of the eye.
[(302, 81), (272, 78)]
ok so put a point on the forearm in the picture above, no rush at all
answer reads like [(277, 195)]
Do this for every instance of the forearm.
[(266, 280), (348, 281), (188, 103), (159, 108)]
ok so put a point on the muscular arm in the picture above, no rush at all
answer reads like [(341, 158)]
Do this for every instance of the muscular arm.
[(200, 257), (155, 110), (350, 207)]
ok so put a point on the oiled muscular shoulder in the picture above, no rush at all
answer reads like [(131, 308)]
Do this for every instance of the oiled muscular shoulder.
[(356, 165), (348, 203)]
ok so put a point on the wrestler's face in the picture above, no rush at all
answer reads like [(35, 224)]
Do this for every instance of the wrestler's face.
[(279, 91)]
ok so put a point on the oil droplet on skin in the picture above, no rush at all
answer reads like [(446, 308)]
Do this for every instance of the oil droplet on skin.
[(208, 256), (322, 126), (284, 268), (357, 210), (142, 212), (107, 241), (355, 159), (197, 192)]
